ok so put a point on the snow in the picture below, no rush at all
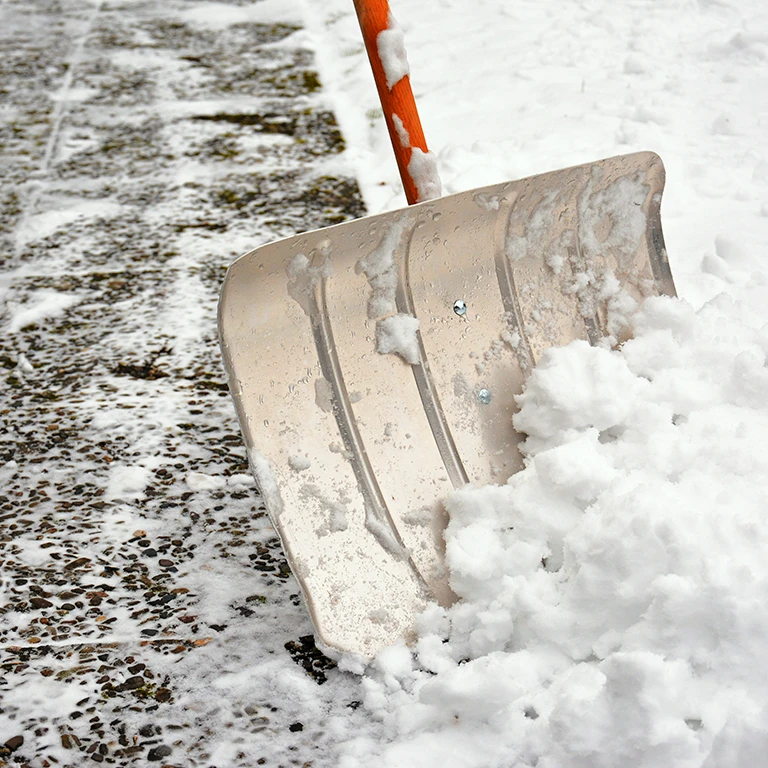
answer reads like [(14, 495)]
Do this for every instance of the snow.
[(391, 47), (612, 594), (265, 480), (200, 481), (127, 482), (304, 276), (299, 463), (422, 168), (378, 266), (397, 334), (218, 16), (402, 133), (43, 305)]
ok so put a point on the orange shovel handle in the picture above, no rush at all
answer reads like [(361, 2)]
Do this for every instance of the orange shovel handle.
[(373, 16)]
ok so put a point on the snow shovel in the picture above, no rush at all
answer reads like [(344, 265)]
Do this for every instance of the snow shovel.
[(374, 364)]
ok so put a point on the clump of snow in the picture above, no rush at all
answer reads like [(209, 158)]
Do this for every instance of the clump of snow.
[(299, 462), (304, 272), (24, 364), (487, 202), (612, 594), (379, 268), (240, 480), (42, 305), (422, 168), (127, 482), (402, 132), (199, 481), (391, 47), (397, 334)]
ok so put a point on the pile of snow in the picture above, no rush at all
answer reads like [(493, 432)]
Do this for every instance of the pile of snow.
[(612, 594)]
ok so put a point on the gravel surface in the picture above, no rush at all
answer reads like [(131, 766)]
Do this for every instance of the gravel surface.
[(147, 614)]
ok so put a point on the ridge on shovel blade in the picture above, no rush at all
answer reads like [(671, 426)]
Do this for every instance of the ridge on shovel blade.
[(354, 450)]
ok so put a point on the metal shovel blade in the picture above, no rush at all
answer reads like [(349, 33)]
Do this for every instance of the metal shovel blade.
[(355, 450)]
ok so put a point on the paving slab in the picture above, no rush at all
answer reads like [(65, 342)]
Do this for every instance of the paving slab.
[(147, 614)]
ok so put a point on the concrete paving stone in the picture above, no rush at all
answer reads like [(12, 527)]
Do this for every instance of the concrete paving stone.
[(147, 611)]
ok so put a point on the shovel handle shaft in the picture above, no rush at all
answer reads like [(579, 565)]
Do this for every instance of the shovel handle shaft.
[(397, 101)]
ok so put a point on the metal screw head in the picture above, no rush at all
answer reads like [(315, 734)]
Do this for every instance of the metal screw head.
[(484, 396), (459, 307)]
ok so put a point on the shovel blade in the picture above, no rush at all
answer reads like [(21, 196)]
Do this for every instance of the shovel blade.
[(354, 449)]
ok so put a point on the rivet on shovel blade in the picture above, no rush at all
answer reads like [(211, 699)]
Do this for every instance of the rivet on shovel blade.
[(459, 307), (484, 396)]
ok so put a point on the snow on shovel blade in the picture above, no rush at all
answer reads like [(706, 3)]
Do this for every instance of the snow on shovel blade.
[(374, 367)]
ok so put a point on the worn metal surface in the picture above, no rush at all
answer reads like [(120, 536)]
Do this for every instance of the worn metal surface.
[(355, 450)]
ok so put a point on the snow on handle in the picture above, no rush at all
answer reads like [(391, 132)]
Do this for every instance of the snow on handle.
[(386, 52)]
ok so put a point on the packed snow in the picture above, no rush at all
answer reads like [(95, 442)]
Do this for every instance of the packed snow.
[(422, 168)]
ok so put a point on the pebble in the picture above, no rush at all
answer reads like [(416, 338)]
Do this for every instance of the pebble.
[(158, 753), (131, 683), (14, 743)]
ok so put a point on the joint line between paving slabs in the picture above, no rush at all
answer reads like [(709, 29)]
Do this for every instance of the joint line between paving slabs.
[(59, 112)]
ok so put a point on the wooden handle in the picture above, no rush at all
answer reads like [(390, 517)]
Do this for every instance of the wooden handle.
[(373, 16)]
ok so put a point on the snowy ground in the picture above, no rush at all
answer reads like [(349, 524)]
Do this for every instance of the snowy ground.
[(146, 605), (147, 611)]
